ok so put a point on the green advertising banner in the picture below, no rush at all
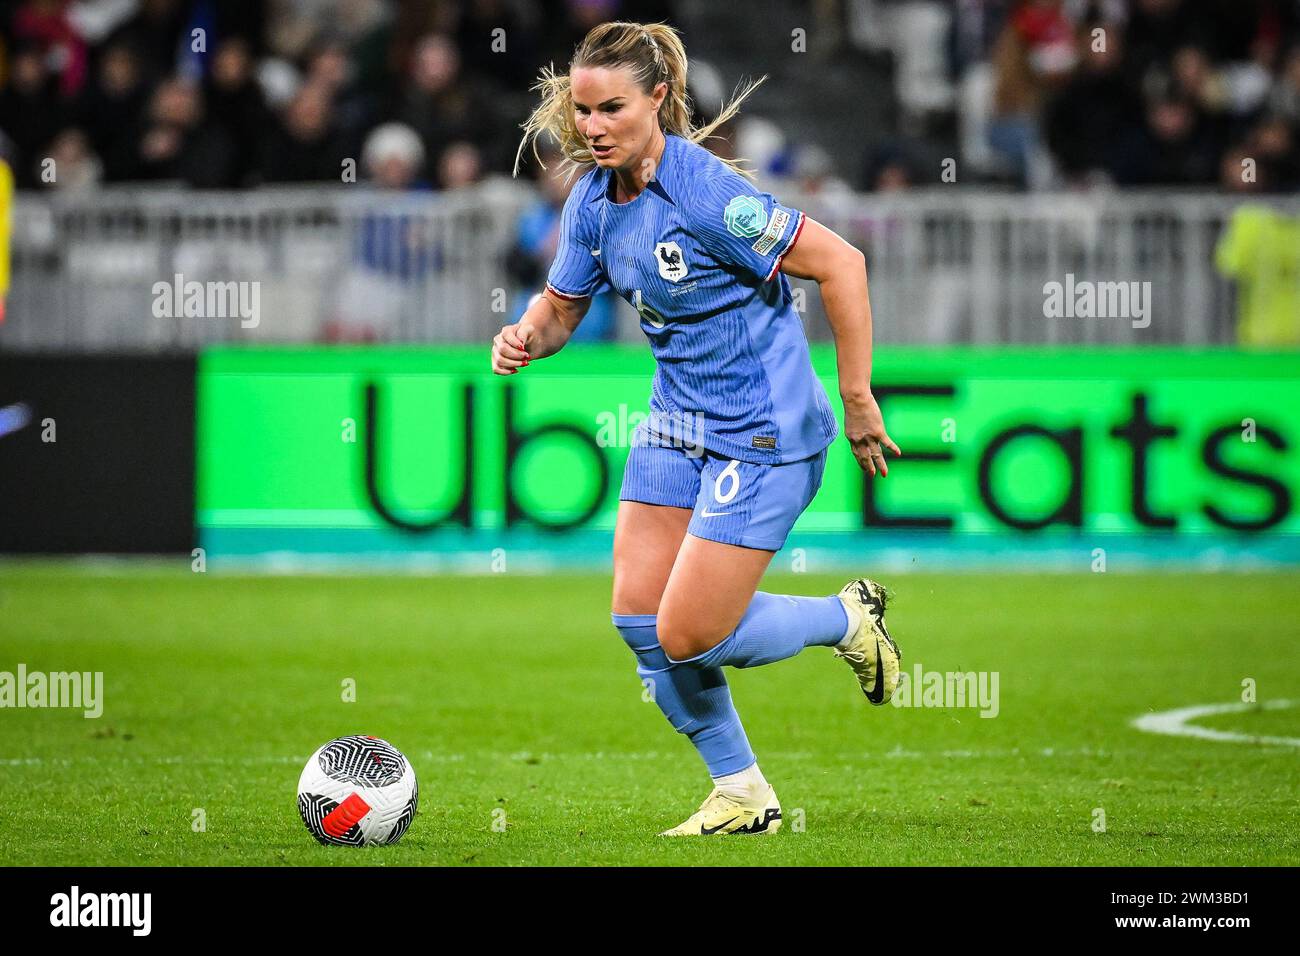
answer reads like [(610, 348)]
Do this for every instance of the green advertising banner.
[(1007, 452)]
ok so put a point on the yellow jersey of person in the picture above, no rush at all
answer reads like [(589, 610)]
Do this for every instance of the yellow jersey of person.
[(1261, 250)]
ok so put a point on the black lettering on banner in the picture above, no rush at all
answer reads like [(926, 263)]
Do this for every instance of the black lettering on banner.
[(1141, 433), (515, 442), (460, 511), (1212, 455), (872, 516), (1070, 511)]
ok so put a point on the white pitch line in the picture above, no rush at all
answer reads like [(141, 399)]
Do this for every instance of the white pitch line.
[(1176, 723)]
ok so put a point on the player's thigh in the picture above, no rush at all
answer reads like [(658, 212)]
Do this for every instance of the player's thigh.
[(660, 487), (742, 517), (646, 540), (708, 592)]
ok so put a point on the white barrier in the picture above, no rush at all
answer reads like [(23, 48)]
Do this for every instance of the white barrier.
[(946, 265)]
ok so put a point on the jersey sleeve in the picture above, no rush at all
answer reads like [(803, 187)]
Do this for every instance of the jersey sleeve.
[(742, 226), (575, 272)]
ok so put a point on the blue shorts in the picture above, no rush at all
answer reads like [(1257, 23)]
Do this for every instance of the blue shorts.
[(735, 502)]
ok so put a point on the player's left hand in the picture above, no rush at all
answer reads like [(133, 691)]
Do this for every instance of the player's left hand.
[(865, 429)]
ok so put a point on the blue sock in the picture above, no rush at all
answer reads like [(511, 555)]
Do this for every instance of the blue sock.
[(696, 701), (777, 626)]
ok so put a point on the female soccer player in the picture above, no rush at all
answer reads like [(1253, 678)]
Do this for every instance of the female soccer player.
[(735, 444)]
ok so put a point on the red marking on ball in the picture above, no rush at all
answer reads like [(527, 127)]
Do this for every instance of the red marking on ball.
[(345, 816)]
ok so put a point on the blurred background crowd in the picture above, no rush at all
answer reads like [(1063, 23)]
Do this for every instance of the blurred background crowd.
[(197, 107), (429, 93)]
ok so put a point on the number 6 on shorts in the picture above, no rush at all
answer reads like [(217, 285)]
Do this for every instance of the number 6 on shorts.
[(731, 472)]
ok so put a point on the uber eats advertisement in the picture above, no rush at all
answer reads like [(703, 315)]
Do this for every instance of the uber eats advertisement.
[(1173, 455)]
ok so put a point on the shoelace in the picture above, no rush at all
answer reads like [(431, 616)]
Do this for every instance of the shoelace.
[(857, 657), (717, 796)]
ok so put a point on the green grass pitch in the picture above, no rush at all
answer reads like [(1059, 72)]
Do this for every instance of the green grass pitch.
[(518, 704)]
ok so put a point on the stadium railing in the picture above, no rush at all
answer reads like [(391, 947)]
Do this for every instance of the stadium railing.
[(99, 272)]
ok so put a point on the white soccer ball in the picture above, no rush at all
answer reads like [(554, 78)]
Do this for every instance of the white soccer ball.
[(357, 791)]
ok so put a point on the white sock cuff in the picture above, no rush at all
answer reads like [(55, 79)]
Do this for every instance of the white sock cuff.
[(854, 621), (747, 782)]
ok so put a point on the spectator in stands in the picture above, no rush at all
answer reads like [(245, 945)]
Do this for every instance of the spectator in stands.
[(236, 106), (1174, 147), (393, 158), (330, 69), (1155, 30), (391, 250), (46, 26), (1272, 144), (814, 174), (156, 32), (1094, 111), (75, 168), (890, 168), (460, 165), (111, 106), (1206, 88), (305, 146), (31, 112), (440, 104), (1198, 82), (1260, 249), (171, 142), (1033, 56)]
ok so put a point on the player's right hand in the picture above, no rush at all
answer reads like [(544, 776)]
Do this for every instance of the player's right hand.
[(510, 348), (864, 427)]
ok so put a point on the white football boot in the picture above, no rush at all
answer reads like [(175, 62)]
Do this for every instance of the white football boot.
[(720, 813), (870, 651)]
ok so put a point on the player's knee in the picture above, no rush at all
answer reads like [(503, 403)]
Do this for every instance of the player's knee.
[(633, 597), (681, 641)]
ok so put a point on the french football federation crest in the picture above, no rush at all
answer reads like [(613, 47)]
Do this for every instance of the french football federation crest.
[(744, 217), (672, 265)]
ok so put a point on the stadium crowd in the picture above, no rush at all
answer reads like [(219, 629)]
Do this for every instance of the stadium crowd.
[(237, 93), (1154, 92), (429, 93)]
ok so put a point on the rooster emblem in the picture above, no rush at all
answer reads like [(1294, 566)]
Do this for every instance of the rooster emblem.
[(668, 256)]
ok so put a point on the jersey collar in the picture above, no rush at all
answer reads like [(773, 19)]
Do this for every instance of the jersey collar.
[(667, 168)]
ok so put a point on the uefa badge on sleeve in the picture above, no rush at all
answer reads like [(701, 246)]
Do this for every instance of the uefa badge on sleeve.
[(745, 217)]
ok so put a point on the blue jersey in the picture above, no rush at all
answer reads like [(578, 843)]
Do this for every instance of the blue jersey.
[(698, 254)]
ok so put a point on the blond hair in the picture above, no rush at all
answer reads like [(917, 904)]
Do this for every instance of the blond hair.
[(654, 54)]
